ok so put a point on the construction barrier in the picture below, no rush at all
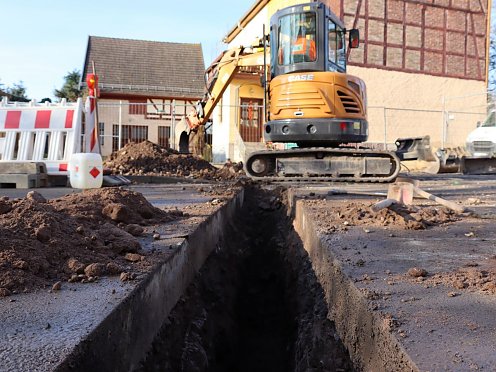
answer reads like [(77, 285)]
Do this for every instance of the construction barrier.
[(40, 132)]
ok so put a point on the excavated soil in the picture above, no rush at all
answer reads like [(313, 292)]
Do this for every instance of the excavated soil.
[(147, 158), (78, 237), (256, 305), (343, 216), (472, 277)]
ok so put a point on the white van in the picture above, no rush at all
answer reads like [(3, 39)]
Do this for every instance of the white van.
[(481, 142)]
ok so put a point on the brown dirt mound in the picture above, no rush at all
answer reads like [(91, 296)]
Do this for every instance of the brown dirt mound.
[(77, 237), (147, 158), (341, 216)]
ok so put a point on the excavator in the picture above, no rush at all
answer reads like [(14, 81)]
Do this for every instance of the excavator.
[(310, 101)]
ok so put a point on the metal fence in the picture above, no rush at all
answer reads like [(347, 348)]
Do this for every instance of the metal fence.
[(448, 124), (124, 122)]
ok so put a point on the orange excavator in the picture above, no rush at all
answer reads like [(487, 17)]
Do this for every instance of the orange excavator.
[(310, 101)]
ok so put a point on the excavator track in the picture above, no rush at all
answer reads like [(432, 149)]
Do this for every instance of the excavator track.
[(323, 164)]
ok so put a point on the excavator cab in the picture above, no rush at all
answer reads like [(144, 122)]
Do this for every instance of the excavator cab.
[(308, 37), (312, 100)]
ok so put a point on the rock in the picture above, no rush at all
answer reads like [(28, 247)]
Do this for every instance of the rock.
[(95, 269), (116, 212), (146, 212), (113, 268), (20, 264), (126, 276), (43, 233), (4, 292), (74, 278), (134, 230), (460, 284), (80, 229), (57, 286), (121, 241), (416, 272), (36, 197), (5, 207), (133, 257), (156, 236), (474, 201), (75, 266)]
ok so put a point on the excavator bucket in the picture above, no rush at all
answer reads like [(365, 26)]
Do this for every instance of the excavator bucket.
[(474, 165), (417, 153), (414, 148)]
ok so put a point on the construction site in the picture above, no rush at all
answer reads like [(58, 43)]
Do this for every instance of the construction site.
[(299, 213)]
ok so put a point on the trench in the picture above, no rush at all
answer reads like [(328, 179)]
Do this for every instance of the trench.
[(255, 305)]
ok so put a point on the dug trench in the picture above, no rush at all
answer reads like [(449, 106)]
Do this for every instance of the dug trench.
[(255, 305)]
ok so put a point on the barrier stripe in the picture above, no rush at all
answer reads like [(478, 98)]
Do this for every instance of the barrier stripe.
[(68, 118), (42, 119), (48, 133), (12, 119)]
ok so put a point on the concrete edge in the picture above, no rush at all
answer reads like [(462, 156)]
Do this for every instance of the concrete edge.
[(367, 337), (163, 179), (123, 338)]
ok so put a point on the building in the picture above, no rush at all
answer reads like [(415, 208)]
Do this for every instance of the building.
[(144, 87), (424, 64)]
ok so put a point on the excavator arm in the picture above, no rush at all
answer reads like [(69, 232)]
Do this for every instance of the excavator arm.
[(220, 74)]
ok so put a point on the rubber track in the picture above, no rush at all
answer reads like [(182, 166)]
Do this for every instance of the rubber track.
[(341, 151)]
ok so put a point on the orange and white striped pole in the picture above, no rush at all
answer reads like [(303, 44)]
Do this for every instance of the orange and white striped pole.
[(92, 144)]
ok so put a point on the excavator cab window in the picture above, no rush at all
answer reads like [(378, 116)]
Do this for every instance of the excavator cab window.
[(297, 37), (336, 47)]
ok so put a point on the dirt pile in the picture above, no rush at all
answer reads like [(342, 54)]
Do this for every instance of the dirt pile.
[(341, 216), (472, 278), (147, 158), (78, 237)]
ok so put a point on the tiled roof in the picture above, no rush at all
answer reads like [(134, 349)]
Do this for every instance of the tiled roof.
[(139, 67)]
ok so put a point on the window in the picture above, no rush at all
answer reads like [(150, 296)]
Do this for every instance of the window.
[(137, 107), (101, 132), (164, 136), (337, 47), (250, 121), (297, 34), (130, 133)]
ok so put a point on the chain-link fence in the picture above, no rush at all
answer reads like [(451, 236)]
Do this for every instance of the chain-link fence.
[(122, 122), (447, 126)]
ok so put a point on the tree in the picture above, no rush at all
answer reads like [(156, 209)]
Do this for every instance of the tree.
[(70, 90), (17, 92)]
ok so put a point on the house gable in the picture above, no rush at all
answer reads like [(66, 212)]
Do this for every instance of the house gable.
[(135, 68)]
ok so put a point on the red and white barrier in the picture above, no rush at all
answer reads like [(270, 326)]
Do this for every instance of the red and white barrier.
[(41, 132)]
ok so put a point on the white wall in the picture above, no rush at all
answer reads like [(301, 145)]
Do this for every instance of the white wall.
[(221, 129)]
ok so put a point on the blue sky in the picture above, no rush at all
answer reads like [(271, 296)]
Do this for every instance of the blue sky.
[(42, 41)]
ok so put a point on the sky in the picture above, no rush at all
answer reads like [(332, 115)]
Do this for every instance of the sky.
[(42, 41)]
